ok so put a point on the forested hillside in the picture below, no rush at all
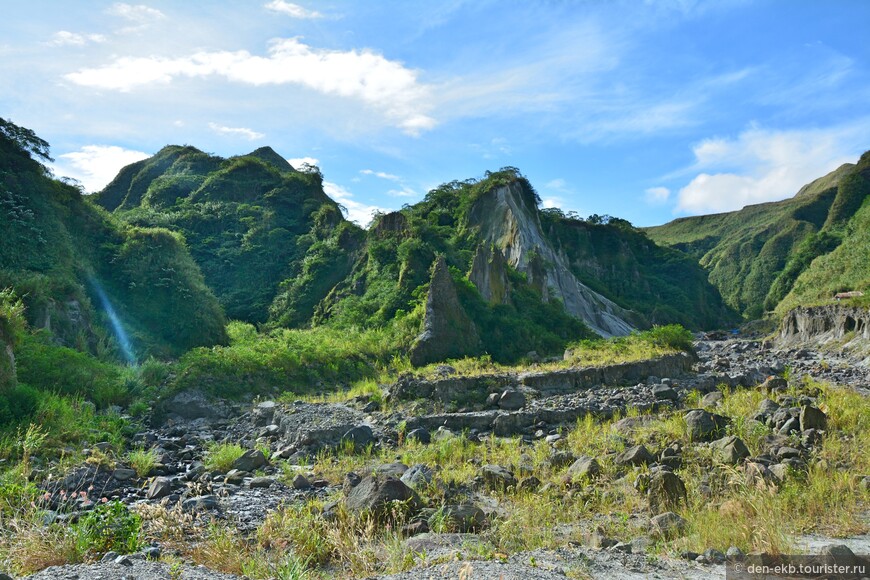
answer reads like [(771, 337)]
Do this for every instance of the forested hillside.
[(758, 255)]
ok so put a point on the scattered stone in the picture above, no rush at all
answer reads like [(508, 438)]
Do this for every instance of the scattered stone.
[(396, 469), (263, 413), (665, 491), (351, 480), (731, 450), (160, 487), (665, 393), (250, 460), (497, 477), (150, 553), (512, 400), (417, 476), (839, 555), (598, 539), (376, 493), (773, 385), (812, 418), (790, 426), (704, 426), (734, 553), (713, 556), (635, 456), (668, 525), (261, 482)]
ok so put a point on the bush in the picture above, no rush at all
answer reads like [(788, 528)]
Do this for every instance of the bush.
[(18, 403), (109, 527), (671, 336)]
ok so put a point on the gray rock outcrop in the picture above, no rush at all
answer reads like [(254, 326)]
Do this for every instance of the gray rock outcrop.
[(448, 332)]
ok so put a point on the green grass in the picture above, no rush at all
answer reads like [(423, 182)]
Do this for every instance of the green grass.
[(220, 456)]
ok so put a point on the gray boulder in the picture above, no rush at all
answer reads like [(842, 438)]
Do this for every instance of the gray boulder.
[(160, 487), (635, 456), (668, 525), (417, 476), (378, 493), (358, 437), (584, 468), (731, 450), (512, 400), (665, 491), (812, 418), (250, 460), (497, 477), (705, 426), (463, 518)]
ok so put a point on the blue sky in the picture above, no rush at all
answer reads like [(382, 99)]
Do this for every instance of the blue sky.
[(642, 110)]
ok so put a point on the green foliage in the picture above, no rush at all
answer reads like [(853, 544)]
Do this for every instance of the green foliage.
[(58, 247), (109, 527), (220, 456), (757, 255), (671, 336), (68, 372), (297, 361)]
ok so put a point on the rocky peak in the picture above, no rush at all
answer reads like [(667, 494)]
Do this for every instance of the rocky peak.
[(448, 332), (512, 225)]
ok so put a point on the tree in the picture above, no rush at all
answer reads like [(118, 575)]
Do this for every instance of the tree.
[(26, 140)]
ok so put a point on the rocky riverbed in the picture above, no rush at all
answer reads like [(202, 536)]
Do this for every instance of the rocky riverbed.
[(284, 439)]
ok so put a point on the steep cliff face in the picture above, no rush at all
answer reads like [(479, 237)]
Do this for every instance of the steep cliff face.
[(489, 274), (847, 328), (508, 219)]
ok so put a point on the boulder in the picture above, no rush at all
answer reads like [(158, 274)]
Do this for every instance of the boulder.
[(512, 400), (193, 404), (263, 413), (665, 491), (250, 460), (705, 426), (301, 482), (203, 502), (160, 487), (584, 468), (377, 493), (448, 332), (417, 476), (635, 456), (464, 517), (731, 450), (668, 525), (497, 477), (812, 418), (358, 437), (124, 474), (712, 399)]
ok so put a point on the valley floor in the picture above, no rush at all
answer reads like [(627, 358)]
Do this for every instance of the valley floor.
[(301, 489)]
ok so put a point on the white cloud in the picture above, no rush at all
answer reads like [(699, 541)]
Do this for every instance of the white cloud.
[(364, 75), (67, 38), (138, 13), (403, 191), (292, 10), (356, 212), (96, 165), (381, 174), (657, 195), (549, 202), (299, 162), (763, 165), (244, 132)]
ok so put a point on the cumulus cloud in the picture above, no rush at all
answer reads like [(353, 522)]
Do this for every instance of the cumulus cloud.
[(657, 195), (356, 211), (363, 75), (67, 38), (292, 10), (96, 165), (244, 132), (299, 163), (763, 165)]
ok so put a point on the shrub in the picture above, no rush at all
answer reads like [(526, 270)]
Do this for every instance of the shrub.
[(109, 527), (671, 335), (222, 455)]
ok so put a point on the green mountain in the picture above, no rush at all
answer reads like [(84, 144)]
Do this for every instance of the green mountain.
[(277, 251), (249, 221), (82, 274), (805, 248)]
